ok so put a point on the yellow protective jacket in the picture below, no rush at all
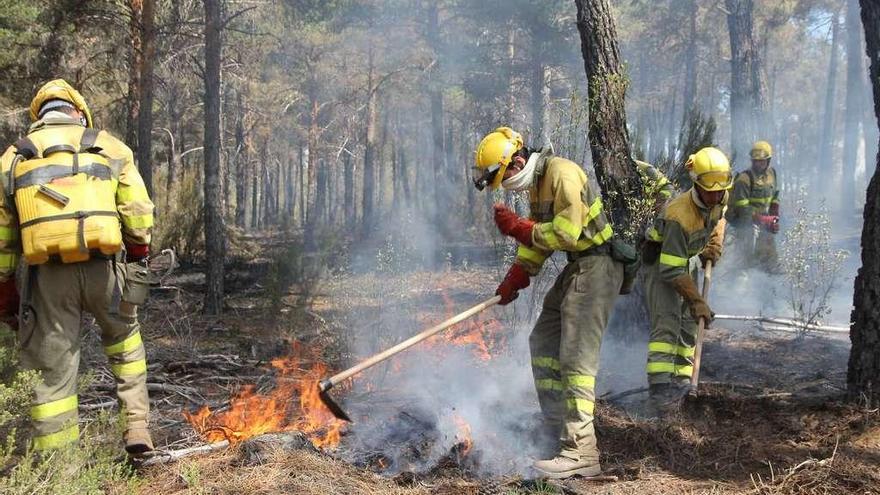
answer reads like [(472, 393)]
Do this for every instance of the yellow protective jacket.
[(683, 230), (753, 193), (568, 212), (60, 139)]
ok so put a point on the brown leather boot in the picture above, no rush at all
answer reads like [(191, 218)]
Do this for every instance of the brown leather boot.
[(561, 467), (137, 438)]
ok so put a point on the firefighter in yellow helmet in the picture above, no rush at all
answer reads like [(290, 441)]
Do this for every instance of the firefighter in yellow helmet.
[(566, 215), (78, 215), (756, 207), (688, 231)]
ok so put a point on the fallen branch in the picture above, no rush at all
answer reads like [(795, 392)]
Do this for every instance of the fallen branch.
[(166, 456), (788, 322)]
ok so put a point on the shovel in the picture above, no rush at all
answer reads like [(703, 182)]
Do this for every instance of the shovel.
[(326, 384)]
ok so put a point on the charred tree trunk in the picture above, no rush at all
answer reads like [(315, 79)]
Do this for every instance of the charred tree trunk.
[(855, 72), (863, 375), (746, 87), (145, 114), (609, 139), (241, 158), (136, 61), (826, 150), (215, 232)]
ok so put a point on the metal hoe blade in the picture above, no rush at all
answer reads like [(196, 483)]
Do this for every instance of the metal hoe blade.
[(324, 387)]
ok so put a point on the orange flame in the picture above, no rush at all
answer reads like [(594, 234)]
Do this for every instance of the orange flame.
[(292, 405), (481, 332), (463, 439)]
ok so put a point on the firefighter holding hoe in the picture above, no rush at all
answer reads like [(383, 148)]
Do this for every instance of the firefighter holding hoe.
[(76, 209), (688, 231), (566, 215)]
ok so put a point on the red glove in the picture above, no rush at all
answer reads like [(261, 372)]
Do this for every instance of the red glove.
[(769, 222), (517, 278), (774, 209), (509, 223), (9, 302), (136, 252)]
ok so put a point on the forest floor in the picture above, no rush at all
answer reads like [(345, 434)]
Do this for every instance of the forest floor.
[(769, 418)]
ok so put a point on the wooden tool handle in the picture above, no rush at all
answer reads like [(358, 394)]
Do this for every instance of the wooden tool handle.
[(701, 327), (406, 344)]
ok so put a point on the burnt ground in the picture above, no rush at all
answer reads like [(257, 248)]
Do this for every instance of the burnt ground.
[(769, 418)]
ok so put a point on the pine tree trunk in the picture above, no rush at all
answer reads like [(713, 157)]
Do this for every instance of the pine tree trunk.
[(241, 159), (689, 99), (215, 232), (145, 114), (863, 375), (826, 149), (609, 139), (747, 101), (855, 73), (370, 175)]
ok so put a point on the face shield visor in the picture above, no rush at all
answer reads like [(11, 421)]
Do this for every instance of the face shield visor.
[(714, 181)]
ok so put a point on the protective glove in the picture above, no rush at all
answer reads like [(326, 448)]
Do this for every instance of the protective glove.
[(712, 252), (517, 278), (509, 223), (9, 303), (136, 252), (770, 223), (774, 209), (687, 289)]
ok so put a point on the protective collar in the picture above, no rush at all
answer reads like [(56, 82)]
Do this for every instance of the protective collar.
[(527, 176)]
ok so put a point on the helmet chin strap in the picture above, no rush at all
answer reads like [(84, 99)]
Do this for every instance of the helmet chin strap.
[(524, 178)]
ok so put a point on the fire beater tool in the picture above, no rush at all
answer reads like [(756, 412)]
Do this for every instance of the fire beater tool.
[(326, 384)]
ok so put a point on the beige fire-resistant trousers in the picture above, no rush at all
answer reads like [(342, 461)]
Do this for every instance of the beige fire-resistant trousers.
[(55, 298), (565, 349), (673, 329)]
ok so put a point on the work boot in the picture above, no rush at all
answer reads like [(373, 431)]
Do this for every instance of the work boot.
[(137, 438), (666, 399), (561, 467)]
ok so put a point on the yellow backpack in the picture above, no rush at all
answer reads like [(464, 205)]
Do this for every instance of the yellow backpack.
[(65, 198)]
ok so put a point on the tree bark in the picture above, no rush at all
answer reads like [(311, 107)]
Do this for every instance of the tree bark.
[(855, 72), (863, 374), (826, 150), (145, 113), (435, 92), (241, 160), (136, 60), (370, 148), (689, 99), (215, 231), (747, 101), (609, 139)]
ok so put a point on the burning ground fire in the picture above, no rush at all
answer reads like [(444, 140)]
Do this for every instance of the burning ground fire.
[(292, 405)]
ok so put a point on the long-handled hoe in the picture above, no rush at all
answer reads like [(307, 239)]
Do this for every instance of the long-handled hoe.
[(326, 384)]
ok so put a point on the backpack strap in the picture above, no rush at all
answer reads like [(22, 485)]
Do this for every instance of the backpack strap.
[(26, 148), (88, 140)]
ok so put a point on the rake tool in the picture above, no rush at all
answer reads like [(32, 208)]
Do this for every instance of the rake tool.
[(326, 384), (701, 327)]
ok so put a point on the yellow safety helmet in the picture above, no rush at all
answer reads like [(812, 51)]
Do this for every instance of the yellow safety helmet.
[(59, 89), (494, 155), (709, 169), (761, 150)]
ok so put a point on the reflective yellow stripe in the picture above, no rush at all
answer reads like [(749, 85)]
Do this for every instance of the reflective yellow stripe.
[(670, 260), (137, 222), (527, 254), (57, 439), (654, 235), (595, 209), (667, 348), (546, 362), (546, 230), (582, 405), (775, 201), (8, 260), (130, 194), (660, 367), (8, 234), (742, 202), (54, 408), (129, 344), (684, 370), (666, 193), (129, 369), (602, 236), (584, 381), (761, 201), (567, 227), (548, 384)]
